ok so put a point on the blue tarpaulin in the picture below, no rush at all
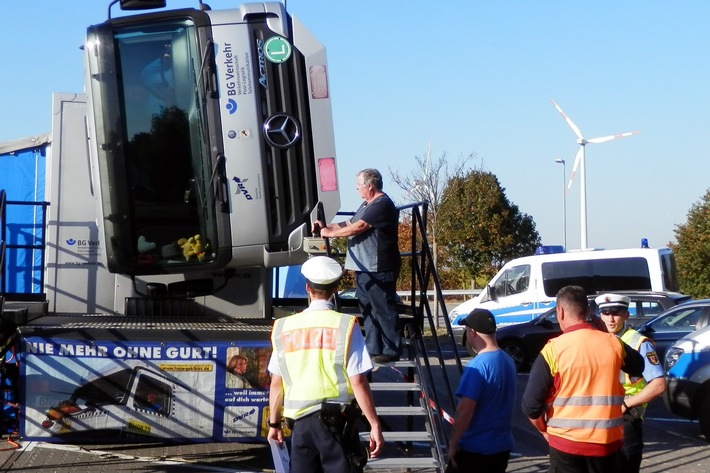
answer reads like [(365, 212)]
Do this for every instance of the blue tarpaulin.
[(22, 177)]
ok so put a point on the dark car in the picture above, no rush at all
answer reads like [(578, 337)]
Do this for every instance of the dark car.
[(676, 323), (524, 341)]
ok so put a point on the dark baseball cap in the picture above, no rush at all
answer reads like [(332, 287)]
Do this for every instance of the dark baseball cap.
[(481, 320)]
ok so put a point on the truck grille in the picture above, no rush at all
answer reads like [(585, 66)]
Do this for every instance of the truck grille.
[(290, 173)]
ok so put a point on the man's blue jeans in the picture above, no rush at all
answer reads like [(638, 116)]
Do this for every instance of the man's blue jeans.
[(377, 296)]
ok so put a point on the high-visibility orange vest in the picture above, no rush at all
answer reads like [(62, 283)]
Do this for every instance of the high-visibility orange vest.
[(311, 349), (585, 407)]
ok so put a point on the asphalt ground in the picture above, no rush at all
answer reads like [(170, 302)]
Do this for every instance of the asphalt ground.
[(672, 444)]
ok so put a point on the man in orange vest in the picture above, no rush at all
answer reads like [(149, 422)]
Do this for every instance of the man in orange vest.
[(574, 397), (318, 366)]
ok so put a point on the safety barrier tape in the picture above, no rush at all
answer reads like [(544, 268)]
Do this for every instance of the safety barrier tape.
[(445, 415)]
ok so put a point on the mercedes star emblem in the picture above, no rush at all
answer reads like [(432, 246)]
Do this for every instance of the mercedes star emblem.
[(282, 130)]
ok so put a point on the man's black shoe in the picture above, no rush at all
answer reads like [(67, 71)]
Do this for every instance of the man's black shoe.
[(385, 358)]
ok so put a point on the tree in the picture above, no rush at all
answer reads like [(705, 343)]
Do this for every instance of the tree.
[(480, 227), (692, 250), (426, 183)]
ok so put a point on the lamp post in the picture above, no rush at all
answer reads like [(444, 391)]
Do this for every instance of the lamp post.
[(564, 203)]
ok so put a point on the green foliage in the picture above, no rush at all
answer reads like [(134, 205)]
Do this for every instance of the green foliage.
[(479, 228), (692, 250)]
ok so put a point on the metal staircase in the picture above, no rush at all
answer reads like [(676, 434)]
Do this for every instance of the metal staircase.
[(414, 395)]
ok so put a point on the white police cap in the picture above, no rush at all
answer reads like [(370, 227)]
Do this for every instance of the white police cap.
[(609, 301), (321, 270)]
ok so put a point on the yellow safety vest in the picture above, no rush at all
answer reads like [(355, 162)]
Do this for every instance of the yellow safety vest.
[(632, 385), (311, 349), (586, 405)]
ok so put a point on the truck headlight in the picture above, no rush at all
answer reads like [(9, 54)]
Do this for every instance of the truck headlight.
[(672, 356)]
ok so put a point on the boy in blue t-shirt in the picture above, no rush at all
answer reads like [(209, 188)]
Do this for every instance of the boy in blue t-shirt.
[(483, 423)]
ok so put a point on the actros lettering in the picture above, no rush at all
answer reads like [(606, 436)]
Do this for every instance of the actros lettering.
[(262, 63)]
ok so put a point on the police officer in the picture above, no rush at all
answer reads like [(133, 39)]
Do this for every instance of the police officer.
[(319, 364), (614, 310)]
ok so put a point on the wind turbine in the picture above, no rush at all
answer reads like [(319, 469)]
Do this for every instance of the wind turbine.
[(579, 162)]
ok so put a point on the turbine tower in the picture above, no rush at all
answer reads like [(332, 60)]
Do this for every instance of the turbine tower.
[(579, 162)]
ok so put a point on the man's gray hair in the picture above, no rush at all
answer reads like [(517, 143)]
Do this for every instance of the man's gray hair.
[(371, 177)]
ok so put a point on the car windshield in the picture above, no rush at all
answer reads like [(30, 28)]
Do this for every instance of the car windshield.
[(679, 320)]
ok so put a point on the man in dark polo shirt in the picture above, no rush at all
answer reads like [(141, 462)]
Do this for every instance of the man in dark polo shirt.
[(373, 253)]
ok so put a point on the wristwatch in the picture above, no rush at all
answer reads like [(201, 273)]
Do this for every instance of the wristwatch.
[(274, 425)]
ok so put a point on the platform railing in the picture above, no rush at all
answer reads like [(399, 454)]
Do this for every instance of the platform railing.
[(39, 243)]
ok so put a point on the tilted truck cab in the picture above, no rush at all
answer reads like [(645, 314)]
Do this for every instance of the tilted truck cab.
[(211, 139)]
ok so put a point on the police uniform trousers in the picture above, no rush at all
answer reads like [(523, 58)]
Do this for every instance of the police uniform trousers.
[(314, 449), (562, 462), (633, 444)]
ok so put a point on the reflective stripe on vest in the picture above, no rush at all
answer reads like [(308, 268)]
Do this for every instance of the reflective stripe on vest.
[(585, 406), (632, 385), (305, 342)]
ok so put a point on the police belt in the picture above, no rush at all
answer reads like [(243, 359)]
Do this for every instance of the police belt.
[(339, 417)]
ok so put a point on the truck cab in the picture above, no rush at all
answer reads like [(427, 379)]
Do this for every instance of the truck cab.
[(210, 138)]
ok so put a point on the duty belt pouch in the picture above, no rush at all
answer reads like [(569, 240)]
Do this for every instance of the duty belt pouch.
[(332, 415), (634, 413), (341, 420)]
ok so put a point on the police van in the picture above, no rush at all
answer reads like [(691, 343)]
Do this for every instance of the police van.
[(526, 287)]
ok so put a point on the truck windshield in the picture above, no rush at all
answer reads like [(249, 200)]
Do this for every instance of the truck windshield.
[(168, 165), (157, 171)]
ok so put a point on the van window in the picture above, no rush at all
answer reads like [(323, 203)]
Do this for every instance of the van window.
[(598, 275), (513, 281), (670, 273)]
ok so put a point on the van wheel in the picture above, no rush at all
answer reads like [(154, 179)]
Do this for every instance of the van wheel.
[(517, 352), (704, 417)]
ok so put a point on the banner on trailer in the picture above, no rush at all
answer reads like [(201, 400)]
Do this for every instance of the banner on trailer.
[(114, 390)]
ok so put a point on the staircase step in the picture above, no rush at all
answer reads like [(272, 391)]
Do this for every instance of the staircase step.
[(402, 436), (401, 463), (401, 364), (401, 411), (375, 386)]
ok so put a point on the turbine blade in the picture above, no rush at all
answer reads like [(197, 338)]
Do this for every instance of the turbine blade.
[(604, 139), (577, 159), (569, 122)]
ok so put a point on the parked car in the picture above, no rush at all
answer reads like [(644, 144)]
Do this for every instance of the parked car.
[(688, 392), (523, 342), (676, 323)]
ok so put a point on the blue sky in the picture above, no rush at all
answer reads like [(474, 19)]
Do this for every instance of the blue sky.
[(470, 77)]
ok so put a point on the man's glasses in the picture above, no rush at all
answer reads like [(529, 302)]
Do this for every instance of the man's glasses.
[(615, 311)]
